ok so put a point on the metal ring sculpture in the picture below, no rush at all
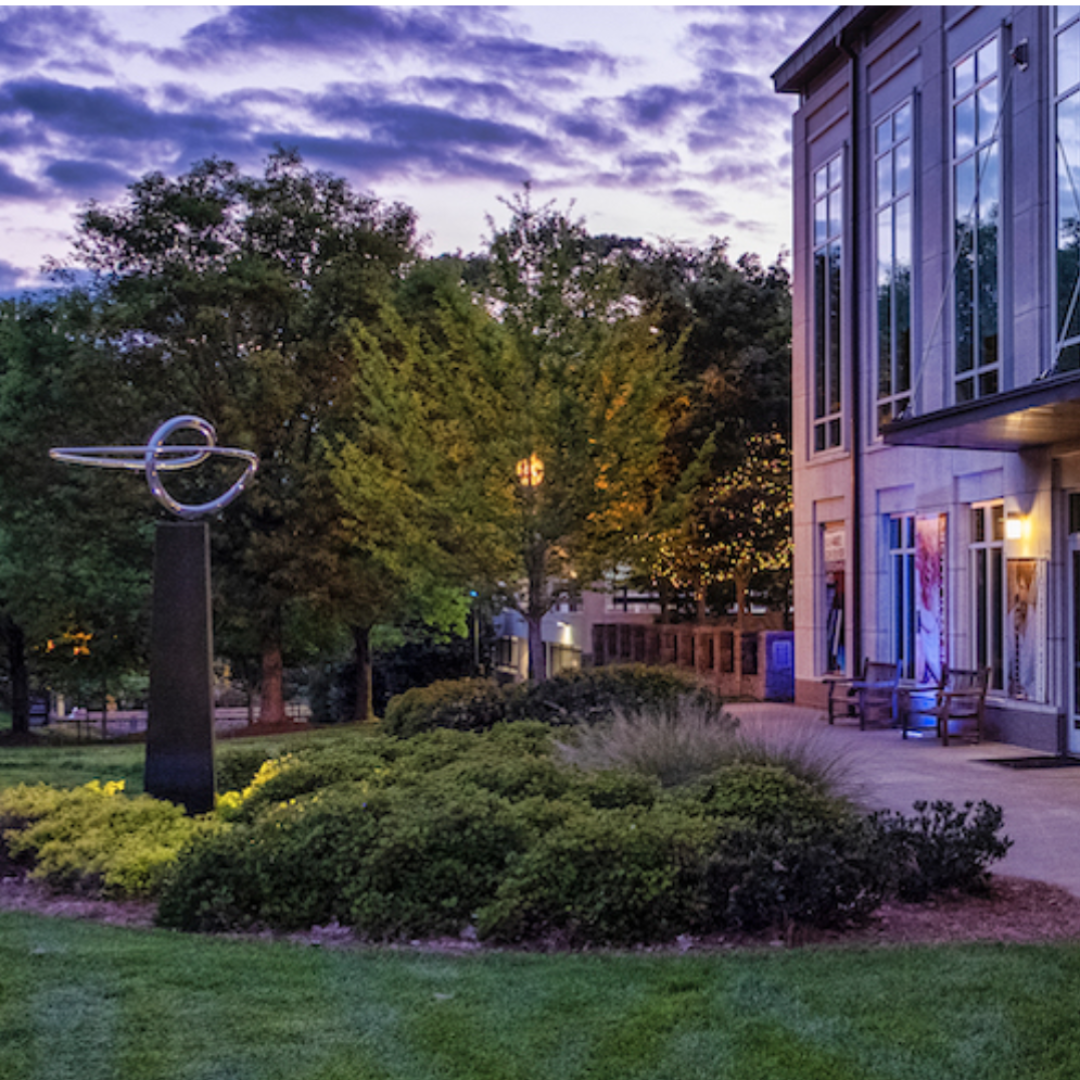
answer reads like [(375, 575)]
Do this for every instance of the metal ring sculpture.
[(157, 457)]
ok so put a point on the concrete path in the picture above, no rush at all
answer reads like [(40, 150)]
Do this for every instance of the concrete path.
[(1041, 806)]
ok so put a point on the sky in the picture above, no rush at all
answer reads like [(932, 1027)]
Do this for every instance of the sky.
[(657, 122)]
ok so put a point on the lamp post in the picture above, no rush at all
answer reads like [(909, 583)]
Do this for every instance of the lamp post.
[(530, 474)]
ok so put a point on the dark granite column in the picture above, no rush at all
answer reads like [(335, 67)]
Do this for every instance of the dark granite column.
[(180, 730)]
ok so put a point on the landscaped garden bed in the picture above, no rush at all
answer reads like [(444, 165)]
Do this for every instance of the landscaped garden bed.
[(668, 823)]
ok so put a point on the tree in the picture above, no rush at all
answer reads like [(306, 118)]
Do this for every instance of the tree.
[(743, 530), (74, 544), (516, 433), (230, 296), (734, 323)]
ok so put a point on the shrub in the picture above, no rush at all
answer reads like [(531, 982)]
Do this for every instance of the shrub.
[(288, 869), (768, 796), (944, 848), (236, 767), (675, 746), (614, 876), (592, 695), (818, 874), (94, 838), (461, 704)]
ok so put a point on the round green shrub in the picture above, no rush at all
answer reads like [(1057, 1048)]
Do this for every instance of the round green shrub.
[(460, 704), (768, 795), (612, 876)]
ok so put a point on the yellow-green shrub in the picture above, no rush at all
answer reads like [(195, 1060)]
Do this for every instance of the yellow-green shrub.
[(94, 838)]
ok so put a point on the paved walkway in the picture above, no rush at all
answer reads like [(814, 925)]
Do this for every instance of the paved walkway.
[(1041, 806)]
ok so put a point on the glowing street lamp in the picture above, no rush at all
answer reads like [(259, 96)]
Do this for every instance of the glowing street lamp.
[(530, 471)]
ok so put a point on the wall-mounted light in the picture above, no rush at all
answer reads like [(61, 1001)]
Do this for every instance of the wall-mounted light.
[(1014, 527)]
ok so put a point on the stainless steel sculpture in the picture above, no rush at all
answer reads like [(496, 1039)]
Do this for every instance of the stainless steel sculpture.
[(180, 726), (157, 457)]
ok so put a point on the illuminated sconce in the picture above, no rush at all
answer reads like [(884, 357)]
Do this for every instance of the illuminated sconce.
[(1014, 527), (530, 471)]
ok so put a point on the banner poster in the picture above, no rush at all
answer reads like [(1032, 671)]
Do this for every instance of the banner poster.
[(1025, 628), (834, 556), (930, 639)]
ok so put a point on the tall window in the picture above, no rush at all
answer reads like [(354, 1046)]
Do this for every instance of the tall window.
[(987, 556), (1067, 134), (902, 577), (976, 211), (828, 198), (892, 172)]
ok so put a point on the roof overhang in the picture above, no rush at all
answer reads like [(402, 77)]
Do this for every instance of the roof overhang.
[(1040, 414)]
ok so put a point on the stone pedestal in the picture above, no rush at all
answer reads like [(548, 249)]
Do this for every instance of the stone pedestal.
[(180, 728)]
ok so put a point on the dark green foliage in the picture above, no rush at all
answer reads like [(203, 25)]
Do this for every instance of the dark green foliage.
[(593, 694), (462, 704), (573, 697), (943, 848), (813, 873), (765, 796), (614, 876), (236, 767)]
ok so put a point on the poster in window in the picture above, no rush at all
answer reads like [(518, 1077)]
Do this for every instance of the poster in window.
[(930, 640), (1025, 627), (834, 558)]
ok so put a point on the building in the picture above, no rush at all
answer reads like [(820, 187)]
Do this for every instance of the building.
[(936, 373)]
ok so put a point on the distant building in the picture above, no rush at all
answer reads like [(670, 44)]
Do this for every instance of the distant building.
[(936, 374)]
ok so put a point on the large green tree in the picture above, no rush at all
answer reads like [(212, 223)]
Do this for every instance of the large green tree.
[(516, 431), (734, 324), (74, 543), (231, 296)]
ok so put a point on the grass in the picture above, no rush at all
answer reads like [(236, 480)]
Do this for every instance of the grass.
[(72, 764), (86, 1001)]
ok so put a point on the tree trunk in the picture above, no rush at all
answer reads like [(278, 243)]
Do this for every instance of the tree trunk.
[(537, 653), (740, 605), (20, 679), (364, 710), (272, 691)]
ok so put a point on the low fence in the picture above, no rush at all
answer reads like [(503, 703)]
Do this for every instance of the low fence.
[(762, 669)]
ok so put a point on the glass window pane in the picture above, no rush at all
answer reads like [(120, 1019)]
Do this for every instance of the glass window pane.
[(834, 327), (821, 183), (820, 330), (884, 301), (964, 76), (902, 181), (1064, 13), (987, 64), (834, 173), (902, 293), (964, 127), (978, 525), (834, 213), (902, 123), (1068, 58), (884, 180), (987, 103), (883, 136), (997, 522), (821, 222)]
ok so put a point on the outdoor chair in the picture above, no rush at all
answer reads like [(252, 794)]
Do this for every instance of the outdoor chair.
[(876, 693), (960, 699), (871, 696)]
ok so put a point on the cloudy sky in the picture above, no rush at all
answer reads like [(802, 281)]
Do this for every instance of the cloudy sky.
[(659, 122)]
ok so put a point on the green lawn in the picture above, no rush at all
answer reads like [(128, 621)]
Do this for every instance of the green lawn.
[(86, 1002), (72, 764)]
